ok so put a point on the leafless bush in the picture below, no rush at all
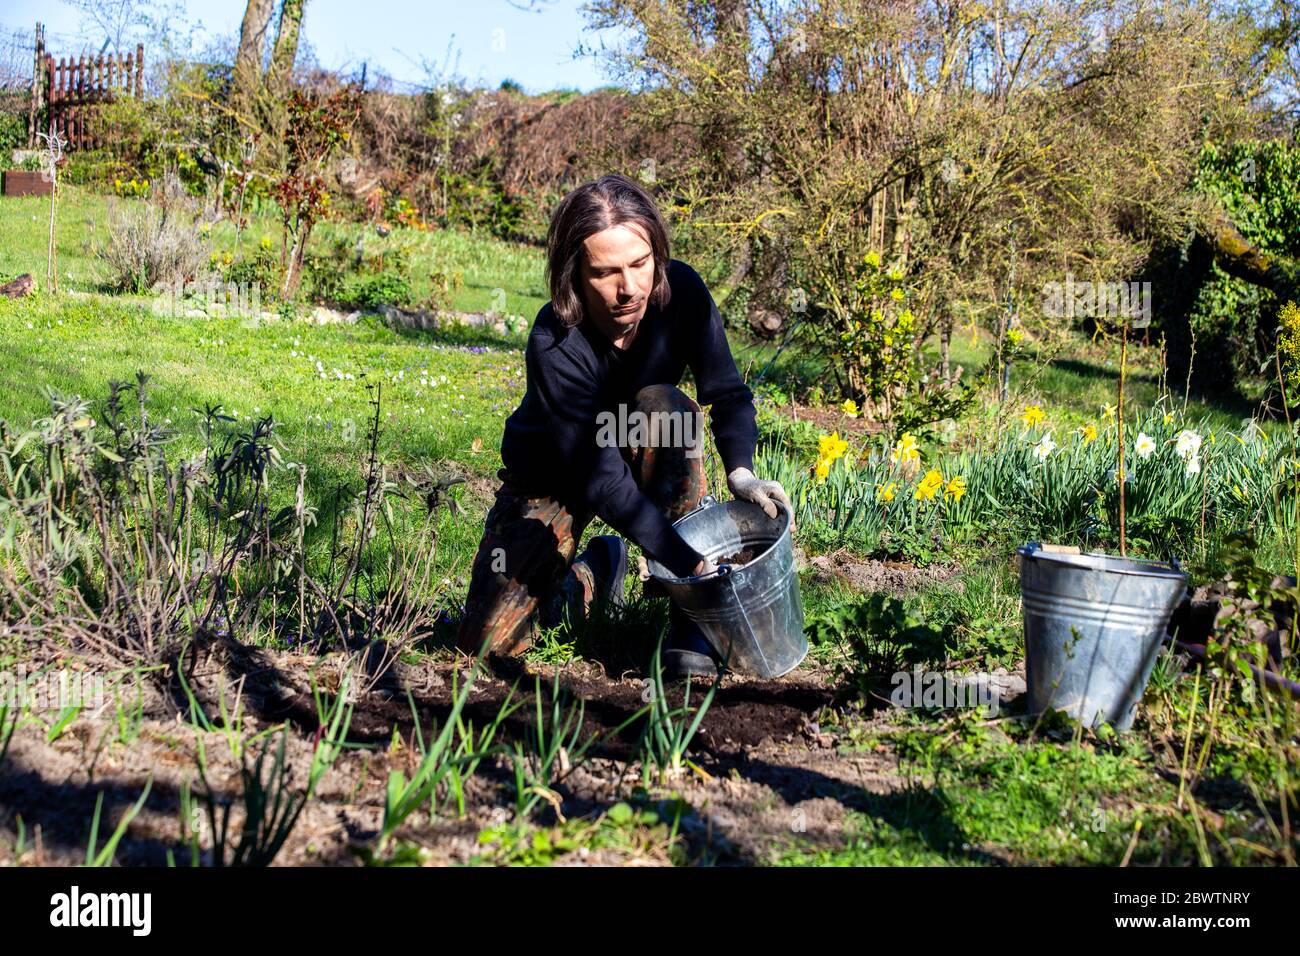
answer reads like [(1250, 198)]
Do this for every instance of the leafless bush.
[(153, 243)]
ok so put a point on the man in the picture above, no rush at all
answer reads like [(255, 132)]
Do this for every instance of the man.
[(624, 323)]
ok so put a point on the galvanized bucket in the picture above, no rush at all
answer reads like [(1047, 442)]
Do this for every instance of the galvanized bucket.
[(1093, 627), (752, 614)]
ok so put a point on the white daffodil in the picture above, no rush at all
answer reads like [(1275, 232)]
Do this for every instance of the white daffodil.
[(1145, 445), (1188, 445), (1044, 447), (1194, 465)]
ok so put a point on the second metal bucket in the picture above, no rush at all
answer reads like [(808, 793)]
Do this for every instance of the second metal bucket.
[(752, 613), (1093, 627)]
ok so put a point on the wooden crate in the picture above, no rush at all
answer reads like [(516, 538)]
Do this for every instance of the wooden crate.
[(19, 182)]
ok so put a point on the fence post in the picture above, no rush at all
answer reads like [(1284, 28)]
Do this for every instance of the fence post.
[(139, 69)]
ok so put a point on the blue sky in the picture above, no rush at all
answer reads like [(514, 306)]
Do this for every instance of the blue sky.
[(494, 39)]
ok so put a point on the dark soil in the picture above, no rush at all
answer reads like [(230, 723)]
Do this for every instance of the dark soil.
[(759, 754), (743, 556)]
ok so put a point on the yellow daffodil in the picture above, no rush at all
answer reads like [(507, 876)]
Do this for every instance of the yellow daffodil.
[(929, 486), (823, 469), (1033, 416), (885, 493), (850, 408), (1089, 432), (955, 488), (1108, 412), (906, 450), (831, 446)]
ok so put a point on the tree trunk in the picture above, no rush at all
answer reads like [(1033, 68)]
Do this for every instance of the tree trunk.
[(252, 46), (286, 46)]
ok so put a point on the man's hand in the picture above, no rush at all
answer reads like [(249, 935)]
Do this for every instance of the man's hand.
[(746, 486)]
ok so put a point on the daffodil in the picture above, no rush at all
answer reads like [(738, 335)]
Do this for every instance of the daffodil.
[(1194, 465), (929, 486), (1044, 447), (1145, 445), (906, 450), (1108, 412), (1089, 433), (885, 493), (1033, 416), (850, 408), (1187, 444), (955, 488), (823, 469), (831, 446)]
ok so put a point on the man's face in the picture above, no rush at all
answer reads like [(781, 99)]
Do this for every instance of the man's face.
[(617, 275)]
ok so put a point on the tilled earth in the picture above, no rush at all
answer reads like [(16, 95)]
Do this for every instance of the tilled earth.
[(763, 767)]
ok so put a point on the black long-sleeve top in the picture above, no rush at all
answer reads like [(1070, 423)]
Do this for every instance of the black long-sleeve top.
[(574, 374)]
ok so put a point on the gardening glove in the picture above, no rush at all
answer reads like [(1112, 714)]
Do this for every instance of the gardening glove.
[(746, 486)]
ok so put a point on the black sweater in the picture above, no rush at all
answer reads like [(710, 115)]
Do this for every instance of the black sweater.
[(550, 446)]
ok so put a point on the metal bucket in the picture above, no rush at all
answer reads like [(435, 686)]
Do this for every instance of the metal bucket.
[(1093, 627), (752, 614)]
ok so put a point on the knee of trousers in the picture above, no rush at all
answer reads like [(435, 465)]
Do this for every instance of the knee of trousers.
[(665, 398)]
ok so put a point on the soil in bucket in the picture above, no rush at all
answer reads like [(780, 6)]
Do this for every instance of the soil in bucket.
[(743, 556)]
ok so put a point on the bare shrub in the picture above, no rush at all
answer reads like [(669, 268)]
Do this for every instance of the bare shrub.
[(154, 244)]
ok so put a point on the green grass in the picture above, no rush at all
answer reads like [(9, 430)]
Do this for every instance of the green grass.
[(493, 274)]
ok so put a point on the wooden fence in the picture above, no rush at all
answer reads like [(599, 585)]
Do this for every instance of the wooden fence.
[(68, 93)]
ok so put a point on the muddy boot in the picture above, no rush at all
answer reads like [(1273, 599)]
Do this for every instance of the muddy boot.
[(606, 556), (598, 574), (686, 650)]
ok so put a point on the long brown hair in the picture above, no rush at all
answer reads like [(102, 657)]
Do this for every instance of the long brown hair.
[(590, 208)]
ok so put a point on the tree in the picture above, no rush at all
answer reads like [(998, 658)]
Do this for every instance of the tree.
[(252, 50)]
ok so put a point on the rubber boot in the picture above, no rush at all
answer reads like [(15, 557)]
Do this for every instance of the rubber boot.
[(686, 649)]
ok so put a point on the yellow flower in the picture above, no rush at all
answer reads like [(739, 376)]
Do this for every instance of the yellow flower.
[(850, 408), (1089, 432), (906, 450), (1033, 416), (872, 259), (823, 469), (1015, 336), (885, 493), (896, 274), (896, 295), (266, 242), (1108, 411), (955, 488), (831, 446), (929, 486), (1168, 417)]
